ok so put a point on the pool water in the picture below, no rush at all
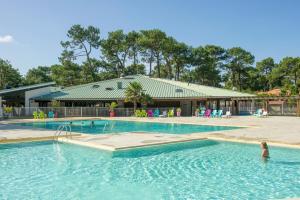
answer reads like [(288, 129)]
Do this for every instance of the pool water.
[(114, 126), (193, 170)]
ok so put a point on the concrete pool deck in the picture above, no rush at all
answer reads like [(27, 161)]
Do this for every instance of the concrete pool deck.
[(281, 131)]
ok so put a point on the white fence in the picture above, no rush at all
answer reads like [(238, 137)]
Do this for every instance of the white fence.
[(285, 109), (60, 112)]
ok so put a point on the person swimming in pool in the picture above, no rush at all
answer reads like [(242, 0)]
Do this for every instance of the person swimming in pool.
[(264, 150), (92, 124)]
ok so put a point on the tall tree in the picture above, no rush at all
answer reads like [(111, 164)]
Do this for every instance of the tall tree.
[(9, 77), (264, 69), (207, 62), (81, 43), (66, 74), (290, 68), (134, 46), (41, 74), (168, 51), (182, 58), (116, 50), (153, 40), (239, 61)]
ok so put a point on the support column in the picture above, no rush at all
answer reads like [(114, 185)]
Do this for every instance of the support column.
[(298, 108), (1, 109), (252, 106)]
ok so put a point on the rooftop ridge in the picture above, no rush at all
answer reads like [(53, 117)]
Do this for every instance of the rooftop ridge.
[(169, 82), (27, 87), (94, 83), (200, 85)]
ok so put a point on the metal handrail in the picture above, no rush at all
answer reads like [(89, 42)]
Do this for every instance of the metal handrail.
[(63, 128)]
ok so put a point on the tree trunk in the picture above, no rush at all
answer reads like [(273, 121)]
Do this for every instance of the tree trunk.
[(240, 81), (134, 106), (177, 73), (150, 65), (158, 66), (170, 71)]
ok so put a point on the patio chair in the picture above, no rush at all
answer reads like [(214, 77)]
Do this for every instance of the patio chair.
[(207, 113), (150, 113), (171, 113), (264, 114), (228, 114), (164, 114), (258, 113), (42, 115), (220, 113), (156, 113), (35, 115), (214, 113), (50, 114), (201, 114)]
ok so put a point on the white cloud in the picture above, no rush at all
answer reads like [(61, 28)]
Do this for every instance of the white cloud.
[(6, 39)]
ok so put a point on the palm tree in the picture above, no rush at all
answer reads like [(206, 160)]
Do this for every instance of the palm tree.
[(134, 93), (146, 99)]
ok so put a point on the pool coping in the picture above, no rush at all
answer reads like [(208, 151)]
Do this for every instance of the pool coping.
[(215, 135), (129, 119)]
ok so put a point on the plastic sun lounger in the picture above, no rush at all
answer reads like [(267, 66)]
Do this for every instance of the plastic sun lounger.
[(164, 114), (50, 114), (228, 114), (156, 113), (149, 113), (220, 113), (207, 113), (264, 114), (258, 113), (202, 112), (214, 113)]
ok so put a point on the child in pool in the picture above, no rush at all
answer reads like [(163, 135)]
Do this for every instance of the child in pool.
[(264, 150)]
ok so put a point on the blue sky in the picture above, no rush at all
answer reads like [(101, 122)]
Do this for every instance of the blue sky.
[(31, 30)]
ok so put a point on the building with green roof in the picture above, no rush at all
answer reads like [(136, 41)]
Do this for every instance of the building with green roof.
[(165, 93)]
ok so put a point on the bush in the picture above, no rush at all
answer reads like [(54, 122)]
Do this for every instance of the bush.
[(112, 106)]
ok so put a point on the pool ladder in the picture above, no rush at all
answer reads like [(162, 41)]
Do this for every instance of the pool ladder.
[(64, 128), (106, 126)]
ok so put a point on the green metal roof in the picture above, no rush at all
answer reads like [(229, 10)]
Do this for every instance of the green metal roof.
[(26, 88), (155, 87)]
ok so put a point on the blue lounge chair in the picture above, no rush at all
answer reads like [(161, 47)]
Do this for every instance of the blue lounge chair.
[(50, 114), (258, 113), (202, 112), (214, 113), (156, 113), (220, 113)]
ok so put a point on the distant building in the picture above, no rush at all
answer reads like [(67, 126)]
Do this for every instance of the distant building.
[(165, 93)]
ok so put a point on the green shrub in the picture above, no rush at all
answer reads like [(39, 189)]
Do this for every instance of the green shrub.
[(112, 106)]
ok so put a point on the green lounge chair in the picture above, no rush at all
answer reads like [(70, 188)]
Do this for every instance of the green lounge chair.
[(171, 113), (35, 115), (42, 115)]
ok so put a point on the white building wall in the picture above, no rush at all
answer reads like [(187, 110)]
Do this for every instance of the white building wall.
[(35, 93)]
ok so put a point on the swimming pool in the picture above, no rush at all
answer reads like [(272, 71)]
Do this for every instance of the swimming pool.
[(194, 170), (114, 126)]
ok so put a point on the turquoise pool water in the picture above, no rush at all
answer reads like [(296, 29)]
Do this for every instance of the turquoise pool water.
[(113, 126), (194, 170)]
